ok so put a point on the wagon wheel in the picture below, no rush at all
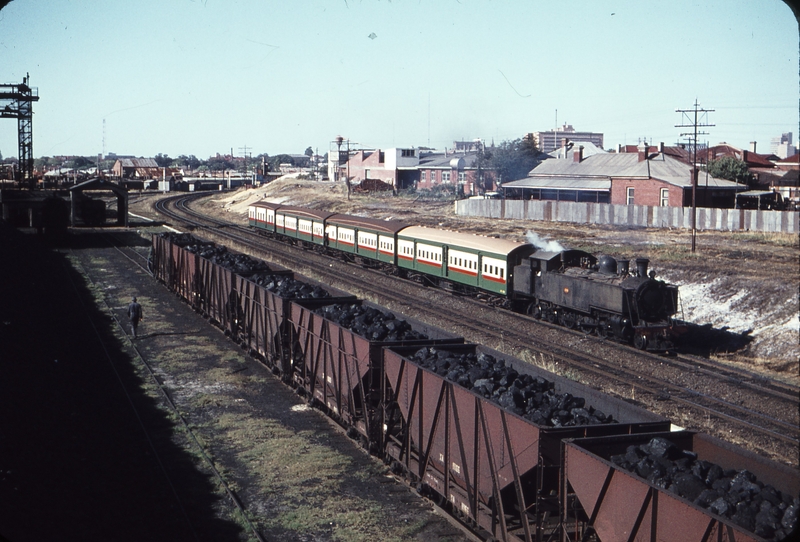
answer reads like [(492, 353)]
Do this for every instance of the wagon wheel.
[(640, 341)]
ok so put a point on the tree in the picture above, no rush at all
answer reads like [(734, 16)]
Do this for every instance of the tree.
[(163, 160), (191, 161), (729, 168), (276, 161), (309, 152), (219, 163), (79, 162), (514, 159)]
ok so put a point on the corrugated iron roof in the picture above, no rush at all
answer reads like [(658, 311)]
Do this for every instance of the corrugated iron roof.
[(138, 162), (626, 165), (567, 183), (441, 160)]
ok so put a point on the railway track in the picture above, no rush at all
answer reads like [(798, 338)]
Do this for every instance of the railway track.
[(727, 402), (140, 260)]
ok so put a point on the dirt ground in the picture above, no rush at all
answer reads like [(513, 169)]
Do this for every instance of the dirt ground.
[(740, 289)]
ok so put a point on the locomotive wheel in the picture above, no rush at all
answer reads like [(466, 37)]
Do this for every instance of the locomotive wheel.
[(534, 310), (551, 316), (640, 341), (568, 320), (602, 329)]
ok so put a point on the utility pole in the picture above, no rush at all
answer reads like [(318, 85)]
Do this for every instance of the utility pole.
[(698, 119), (244, 152)]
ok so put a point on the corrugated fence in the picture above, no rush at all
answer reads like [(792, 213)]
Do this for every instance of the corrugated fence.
[(632, 215)]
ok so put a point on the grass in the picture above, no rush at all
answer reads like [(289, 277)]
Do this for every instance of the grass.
[(549, 364), (777, 239), (307, 485)]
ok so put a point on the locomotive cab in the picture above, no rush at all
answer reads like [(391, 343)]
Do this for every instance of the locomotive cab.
[(527, 275)]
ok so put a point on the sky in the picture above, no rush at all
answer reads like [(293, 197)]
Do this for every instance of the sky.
[(201, 77)]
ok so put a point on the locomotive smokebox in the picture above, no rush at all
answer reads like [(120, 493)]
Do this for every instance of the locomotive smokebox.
[(641, 267), (623, 266)]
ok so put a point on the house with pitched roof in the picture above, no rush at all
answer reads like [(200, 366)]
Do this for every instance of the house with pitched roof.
[(130, 168), (462, 171), (649, 177)]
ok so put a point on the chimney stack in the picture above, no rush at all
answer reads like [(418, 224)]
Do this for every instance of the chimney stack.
[(753, 146), (642, 148), (577, 156), (661, 147)]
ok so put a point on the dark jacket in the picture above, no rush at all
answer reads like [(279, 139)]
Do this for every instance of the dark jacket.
[(135, 311)]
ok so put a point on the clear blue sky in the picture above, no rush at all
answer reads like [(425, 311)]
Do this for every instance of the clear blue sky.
[(206, 76)]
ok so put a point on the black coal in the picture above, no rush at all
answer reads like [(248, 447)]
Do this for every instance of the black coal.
[(531, 397), (180, 239), (370, 323), (288, 287), (736, 495)]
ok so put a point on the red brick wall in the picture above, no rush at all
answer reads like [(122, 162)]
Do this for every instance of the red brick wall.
[(471, 175), (358, 165), (646, 192)]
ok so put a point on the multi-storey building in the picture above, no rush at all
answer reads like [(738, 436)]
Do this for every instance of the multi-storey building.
[(554, 139)]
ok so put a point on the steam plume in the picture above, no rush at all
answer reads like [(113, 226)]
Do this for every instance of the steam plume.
[(543, 244)]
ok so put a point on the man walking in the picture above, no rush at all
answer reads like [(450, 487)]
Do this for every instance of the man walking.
[(135, 314)]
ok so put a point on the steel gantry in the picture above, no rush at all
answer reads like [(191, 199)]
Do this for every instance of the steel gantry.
[(20, 100)]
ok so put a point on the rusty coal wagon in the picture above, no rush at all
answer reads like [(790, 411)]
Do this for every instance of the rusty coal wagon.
[(707, 477), (488, 462), (339, 364)]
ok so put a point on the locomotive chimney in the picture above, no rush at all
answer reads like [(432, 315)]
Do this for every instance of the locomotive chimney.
[(623, 267), (641, 267)]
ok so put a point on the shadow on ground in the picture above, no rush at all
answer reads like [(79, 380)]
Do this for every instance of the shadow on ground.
[(85, 453), (705, 340)]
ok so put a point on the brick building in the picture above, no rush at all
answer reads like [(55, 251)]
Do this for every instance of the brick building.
[(649, 177), (397, 167), (461, 171)]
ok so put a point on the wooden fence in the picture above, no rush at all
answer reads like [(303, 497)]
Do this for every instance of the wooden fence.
[(632, 215)]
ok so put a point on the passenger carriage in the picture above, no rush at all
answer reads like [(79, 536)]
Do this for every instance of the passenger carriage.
[(461, 261), (304, 225), (261, 215), (364, 238)]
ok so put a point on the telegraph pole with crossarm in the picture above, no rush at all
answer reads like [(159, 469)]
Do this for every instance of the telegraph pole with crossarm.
[(698, 119)]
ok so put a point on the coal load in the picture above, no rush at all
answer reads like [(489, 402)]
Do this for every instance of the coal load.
[(288, 287), (180, 239), (241, 264), (206, 250), (736, 495), (370, 323), (531, 397)]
